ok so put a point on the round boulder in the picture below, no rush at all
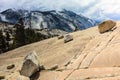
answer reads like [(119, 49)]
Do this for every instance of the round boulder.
[(106, 26)]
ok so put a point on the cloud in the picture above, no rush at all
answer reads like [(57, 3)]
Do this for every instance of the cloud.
[(48, 4), (99, 9)]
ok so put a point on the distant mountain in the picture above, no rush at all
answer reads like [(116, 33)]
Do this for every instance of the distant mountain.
[(63, 20), (12, 16)]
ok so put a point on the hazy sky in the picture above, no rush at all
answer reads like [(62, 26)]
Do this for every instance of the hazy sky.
[(90, 8)]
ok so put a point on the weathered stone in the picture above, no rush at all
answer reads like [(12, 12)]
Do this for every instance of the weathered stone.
[(60, 37), (67, 38), (11, 66), (30, 65), (106, 26)]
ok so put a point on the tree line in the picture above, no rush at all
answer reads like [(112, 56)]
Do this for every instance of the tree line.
[(21, 36)]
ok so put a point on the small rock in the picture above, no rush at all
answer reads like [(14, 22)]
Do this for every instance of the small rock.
[(11, 66), (67, 63), (68, 38), (54, 67), (60, 37), (42, 67), (106, 26), (2, 77), (30, 65)]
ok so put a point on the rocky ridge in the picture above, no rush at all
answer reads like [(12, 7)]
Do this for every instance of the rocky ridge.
[(63, 20)]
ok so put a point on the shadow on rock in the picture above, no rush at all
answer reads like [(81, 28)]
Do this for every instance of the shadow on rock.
[(35, 76)]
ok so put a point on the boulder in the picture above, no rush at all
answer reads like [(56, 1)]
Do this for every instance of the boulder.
[(30, 65), (60, 37), (68, 38), (11, 66), (106, 26)]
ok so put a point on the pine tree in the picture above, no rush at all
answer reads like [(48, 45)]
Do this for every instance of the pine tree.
[(3, 46), (8, 36), (19, 34)]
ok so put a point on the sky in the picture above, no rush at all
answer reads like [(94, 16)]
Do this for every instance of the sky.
[(96, 9)]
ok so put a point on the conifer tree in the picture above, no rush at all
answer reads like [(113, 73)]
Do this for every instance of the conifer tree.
[(19, 34), (3, 45)]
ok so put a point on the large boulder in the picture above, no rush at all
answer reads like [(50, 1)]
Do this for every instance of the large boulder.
[(106, 26), (30, 65), (68, 38)]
